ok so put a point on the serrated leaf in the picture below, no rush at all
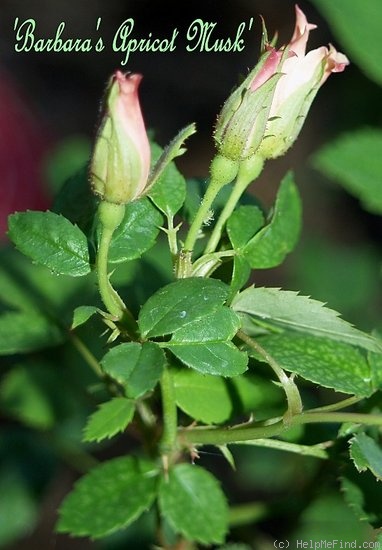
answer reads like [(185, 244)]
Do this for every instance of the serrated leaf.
[(363, 494), (50, 240), (217, 358), (194, 505), (22, 332), (110, 497), (357, 26), (354, 161), (169, 191), (82, 314), (243, 224), (76, 201), (366, 454), (203, 397), (137, 367), (137, 232), (269, 247), (179, 304), (111, 418), (205, 346), (325, 362), (288, 309)]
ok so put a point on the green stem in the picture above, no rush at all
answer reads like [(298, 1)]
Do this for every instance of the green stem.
[(86, 354), (223, 436), (290, 388), (337, 406), (110, 216), (170, 417), (205, 265), (222, 171), (248, 171)]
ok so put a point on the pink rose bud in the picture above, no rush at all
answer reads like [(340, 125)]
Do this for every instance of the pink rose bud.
[(265, 114), (121, 158), (302, 76), (241, 124)]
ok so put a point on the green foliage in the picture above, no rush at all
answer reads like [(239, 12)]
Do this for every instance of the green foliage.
[(111, 418), (169, 191), (137, 367), (287, 309), (328, 363), (357, 25), (82, 314), (366, 454), (180, 303), (108, 498), (204, 344), (51, 240), (194, 505), (137, 232), (269, 247), (354, 161), (22, 332)]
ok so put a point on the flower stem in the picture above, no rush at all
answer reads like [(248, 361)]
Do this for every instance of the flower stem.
[(248, 171), (110, 216), (222, 171), (169, 411)]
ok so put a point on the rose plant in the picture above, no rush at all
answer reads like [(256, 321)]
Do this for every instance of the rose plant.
[(198, 356)]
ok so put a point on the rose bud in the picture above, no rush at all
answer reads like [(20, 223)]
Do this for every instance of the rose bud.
[(302, 75), (120, 163), (265, 114)]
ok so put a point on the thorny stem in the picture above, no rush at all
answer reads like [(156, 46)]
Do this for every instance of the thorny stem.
[(223, 436), (290, 388)]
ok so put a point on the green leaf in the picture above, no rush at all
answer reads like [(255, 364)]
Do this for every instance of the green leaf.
[(218, 358), (357, 25), (325, 362), (354, 161), (108, 498), (194, 505), (240, 275), (111, 418), (22, 332), (203, 397), (243, 224), (375, 362), (363, 494), (270, 245), (287, 309), (169, 191), (76, 201), (179, 304), (137, 232), (366, 454), (82, 314), (51, 240), (204, 344), (137, 367), (24, 397)]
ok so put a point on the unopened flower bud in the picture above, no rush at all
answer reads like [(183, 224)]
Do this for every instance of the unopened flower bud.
[(121, 158)]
